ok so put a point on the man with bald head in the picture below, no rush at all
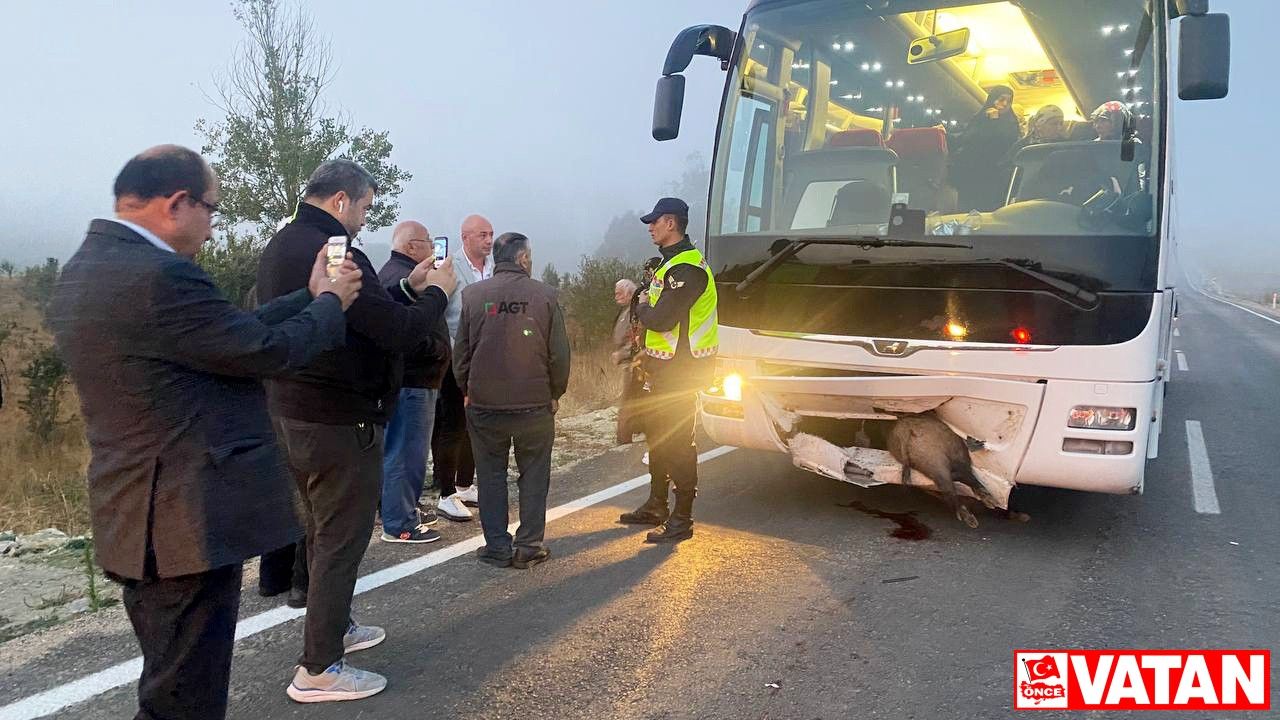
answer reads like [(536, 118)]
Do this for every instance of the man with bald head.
[(404, 460), (454, 464), (186, 480)]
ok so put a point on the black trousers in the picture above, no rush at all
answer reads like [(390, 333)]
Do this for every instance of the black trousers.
[(492, 435), (283, 569), (286, 568), (452, 462), (669, 423), (186, 627), (339, 473)]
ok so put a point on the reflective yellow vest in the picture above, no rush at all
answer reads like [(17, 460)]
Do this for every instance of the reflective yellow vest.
[(704, 332)]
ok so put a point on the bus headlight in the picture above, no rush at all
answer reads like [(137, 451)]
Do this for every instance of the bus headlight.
[(1091, 417), (732, 387)]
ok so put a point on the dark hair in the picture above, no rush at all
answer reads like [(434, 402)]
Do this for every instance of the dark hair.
[(163, 172), (508, 247), (340, 175), (995, 93), (682, 223)]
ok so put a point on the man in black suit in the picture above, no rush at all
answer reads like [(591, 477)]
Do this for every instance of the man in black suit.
[(186, 480)]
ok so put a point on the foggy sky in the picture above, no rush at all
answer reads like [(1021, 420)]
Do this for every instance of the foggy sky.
[(536, 114)]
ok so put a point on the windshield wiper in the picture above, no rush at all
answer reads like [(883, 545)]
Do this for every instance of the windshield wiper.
[(794, 246), (1067, 290)]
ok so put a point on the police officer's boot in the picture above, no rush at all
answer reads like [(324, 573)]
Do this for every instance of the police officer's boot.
[(654, 510), (679, 526)]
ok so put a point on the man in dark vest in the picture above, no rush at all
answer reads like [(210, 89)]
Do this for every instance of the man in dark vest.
[(511, 359)]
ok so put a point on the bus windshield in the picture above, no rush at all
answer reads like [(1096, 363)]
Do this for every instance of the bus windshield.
[(1020, 119)]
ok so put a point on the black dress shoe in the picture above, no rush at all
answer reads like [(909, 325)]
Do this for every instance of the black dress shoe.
[(525, 559), (297, 598), (493, 557), (272, 592)]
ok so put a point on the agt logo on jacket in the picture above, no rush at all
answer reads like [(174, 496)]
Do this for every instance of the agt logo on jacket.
[(506, 308)]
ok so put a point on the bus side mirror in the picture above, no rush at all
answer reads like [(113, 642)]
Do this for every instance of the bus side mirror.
[(1204, 57), (711, 40), (668, 105)]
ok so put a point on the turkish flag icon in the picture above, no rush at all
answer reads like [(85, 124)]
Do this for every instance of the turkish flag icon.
[(1045, 668)]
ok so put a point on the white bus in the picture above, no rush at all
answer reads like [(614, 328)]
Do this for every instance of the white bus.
[(888, 239)]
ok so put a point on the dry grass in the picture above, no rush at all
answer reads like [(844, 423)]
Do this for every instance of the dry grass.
[(41, 484), (594, 382)]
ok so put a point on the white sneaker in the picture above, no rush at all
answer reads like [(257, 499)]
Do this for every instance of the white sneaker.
[(451, 508), (469, 495), (339, 682), (362, 637)]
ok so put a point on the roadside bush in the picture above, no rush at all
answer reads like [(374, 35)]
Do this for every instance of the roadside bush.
[(38, 282), (587, 297), (232, 263), (46, 378)]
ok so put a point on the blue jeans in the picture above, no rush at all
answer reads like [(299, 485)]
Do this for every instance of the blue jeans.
[(404, 459)]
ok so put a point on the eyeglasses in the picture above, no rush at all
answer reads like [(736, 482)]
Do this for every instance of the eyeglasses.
[(211, 207)]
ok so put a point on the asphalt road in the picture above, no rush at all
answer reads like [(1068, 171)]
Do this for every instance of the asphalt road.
[(792, 602)]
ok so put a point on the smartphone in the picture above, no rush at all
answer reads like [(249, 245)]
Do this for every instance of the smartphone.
[(440, 248), (336, 254)]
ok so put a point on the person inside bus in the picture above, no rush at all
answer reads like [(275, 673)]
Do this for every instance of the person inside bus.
[(1075, 177), (977, 170), (1110, 120), (1048, 125)]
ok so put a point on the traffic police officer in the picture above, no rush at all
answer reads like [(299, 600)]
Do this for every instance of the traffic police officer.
[(678, 312)]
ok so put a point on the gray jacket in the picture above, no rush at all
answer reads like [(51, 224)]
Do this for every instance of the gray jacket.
[(512, 352)]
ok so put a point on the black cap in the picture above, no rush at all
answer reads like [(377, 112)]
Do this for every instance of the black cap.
[(667, 206)]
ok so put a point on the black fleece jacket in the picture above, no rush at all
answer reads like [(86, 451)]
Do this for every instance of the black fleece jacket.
[(426, 366), (360, 381)]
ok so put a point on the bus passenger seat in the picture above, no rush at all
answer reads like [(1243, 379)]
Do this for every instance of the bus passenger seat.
[(855, 138), (922, 164), (860, 203)]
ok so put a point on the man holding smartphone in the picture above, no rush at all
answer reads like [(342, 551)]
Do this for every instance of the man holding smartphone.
[(454, 463), (330, 418), (404, 463)]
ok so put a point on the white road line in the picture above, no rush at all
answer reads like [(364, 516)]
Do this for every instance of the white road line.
[(1241, 307), (1182, 360), (1206, 498), (1177, 332), (63, 696)]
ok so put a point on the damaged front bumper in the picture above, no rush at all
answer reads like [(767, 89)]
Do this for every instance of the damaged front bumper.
[(867, 467), (999, 415)]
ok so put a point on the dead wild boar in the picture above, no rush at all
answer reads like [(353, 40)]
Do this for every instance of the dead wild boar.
[(925, 443)]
